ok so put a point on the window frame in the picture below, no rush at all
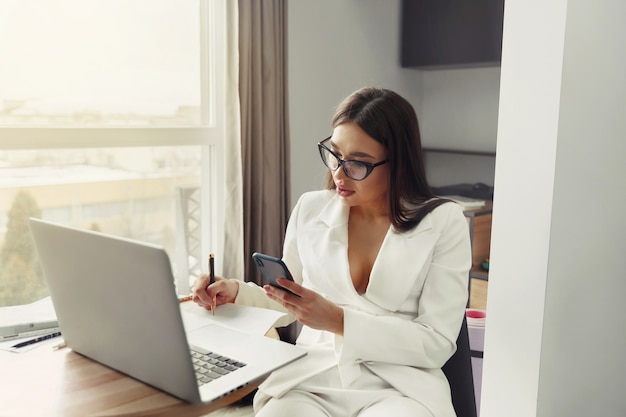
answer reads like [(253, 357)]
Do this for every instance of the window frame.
[(209, 135)]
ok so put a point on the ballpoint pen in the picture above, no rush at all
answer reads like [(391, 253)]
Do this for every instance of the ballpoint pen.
[(212, 279), (35, 340)]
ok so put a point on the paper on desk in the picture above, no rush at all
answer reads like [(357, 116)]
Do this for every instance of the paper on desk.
[(19, 319), (8, 344), (250, 320)]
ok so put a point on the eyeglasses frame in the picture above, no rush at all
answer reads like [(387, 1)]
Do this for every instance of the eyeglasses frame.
[(369, 167)]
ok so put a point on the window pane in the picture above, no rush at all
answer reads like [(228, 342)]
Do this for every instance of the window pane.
[(100, 63), (130, 192)]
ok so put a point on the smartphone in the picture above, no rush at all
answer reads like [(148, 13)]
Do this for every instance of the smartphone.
[(271, 269)]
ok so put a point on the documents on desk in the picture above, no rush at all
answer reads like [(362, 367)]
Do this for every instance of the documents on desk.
[(250, 320), (23, 321)]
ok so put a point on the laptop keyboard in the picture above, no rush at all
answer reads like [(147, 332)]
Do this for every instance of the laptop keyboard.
[(210, 366)]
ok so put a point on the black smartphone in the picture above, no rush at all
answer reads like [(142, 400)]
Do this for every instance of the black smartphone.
[(271, 269)]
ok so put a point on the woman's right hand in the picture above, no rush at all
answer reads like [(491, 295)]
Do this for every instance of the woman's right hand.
[(223, 291)]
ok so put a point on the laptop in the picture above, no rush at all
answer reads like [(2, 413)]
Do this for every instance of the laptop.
[(116, 303)]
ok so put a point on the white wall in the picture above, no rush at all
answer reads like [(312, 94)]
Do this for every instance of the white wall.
[(448, 168), (334, 48), (338, 46), (556, 332), (460, 108)]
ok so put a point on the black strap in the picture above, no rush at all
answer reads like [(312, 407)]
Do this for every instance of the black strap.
[(476, 353)]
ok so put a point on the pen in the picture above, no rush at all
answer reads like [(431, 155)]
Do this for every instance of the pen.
[(212, 279), (35, 340)]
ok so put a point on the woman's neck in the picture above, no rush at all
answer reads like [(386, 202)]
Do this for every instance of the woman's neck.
[(370, 213)]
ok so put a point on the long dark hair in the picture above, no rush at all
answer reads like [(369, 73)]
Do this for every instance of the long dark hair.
[(391, 120)]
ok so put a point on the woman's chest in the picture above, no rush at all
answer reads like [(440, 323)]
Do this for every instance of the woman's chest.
[(364, 244), (394, 275)]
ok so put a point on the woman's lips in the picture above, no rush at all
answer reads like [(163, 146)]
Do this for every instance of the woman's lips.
[(343, 192)]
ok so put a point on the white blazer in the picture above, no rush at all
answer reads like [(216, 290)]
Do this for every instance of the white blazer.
[(404, 327)]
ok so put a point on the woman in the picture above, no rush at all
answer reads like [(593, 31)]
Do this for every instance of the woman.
[(380, 267)]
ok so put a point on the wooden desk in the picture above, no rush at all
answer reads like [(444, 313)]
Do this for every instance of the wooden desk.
[(47, 382)]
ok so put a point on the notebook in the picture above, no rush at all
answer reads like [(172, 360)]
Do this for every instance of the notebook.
[(116, 303)]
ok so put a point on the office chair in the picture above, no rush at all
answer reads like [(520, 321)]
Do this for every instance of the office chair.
[(458, 370)]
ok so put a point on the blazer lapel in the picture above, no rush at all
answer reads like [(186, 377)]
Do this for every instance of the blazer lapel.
[(399, 267), (334, 213), (396, 271), (327, 249)]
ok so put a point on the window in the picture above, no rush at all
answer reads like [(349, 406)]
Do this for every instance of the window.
[(109, 111)]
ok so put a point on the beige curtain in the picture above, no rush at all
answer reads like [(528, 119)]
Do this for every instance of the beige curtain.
[(233, 257), (264, 136)]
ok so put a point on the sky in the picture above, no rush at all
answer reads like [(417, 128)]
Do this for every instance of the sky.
[(100, 53)]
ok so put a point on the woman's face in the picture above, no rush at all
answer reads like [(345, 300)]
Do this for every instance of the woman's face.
[(350, 142)]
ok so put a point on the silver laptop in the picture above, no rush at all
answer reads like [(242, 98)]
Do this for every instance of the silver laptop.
[(116, 304)]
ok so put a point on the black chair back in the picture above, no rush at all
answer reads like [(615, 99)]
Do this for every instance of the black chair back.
[(458, 370)]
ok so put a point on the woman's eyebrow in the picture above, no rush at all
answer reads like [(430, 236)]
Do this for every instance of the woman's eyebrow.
[(357, 154), (362, 155)]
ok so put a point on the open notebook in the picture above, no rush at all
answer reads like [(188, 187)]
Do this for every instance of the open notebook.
[(115, 302)]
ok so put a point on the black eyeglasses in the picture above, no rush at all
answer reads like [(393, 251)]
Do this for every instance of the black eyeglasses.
[(357, 170)]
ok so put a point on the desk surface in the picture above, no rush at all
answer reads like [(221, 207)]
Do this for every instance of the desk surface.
[(47, 382)]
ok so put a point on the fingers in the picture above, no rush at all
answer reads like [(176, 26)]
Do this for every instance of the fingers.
[(203, 293), (307, 306), (288, 300), (280, 296), (291, 286), (222, 291)]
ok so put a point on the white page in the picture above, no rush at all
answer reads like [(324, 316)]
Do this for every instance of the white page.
[(250, 320), (27, 317)]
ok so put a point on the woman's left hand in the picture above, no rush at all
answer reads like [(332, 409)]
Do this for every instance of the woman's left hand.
[(310, 308)]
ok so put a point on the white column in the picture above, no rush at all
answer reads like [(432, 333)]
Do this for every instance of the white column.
[(556, 328)]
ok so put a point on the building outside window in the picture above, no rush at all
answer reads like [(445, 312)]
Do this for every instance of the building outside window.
[(108, 110)]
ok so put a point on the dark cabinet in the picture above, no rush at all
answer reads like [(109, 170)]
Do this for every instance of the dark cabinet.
[(451, 33)]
